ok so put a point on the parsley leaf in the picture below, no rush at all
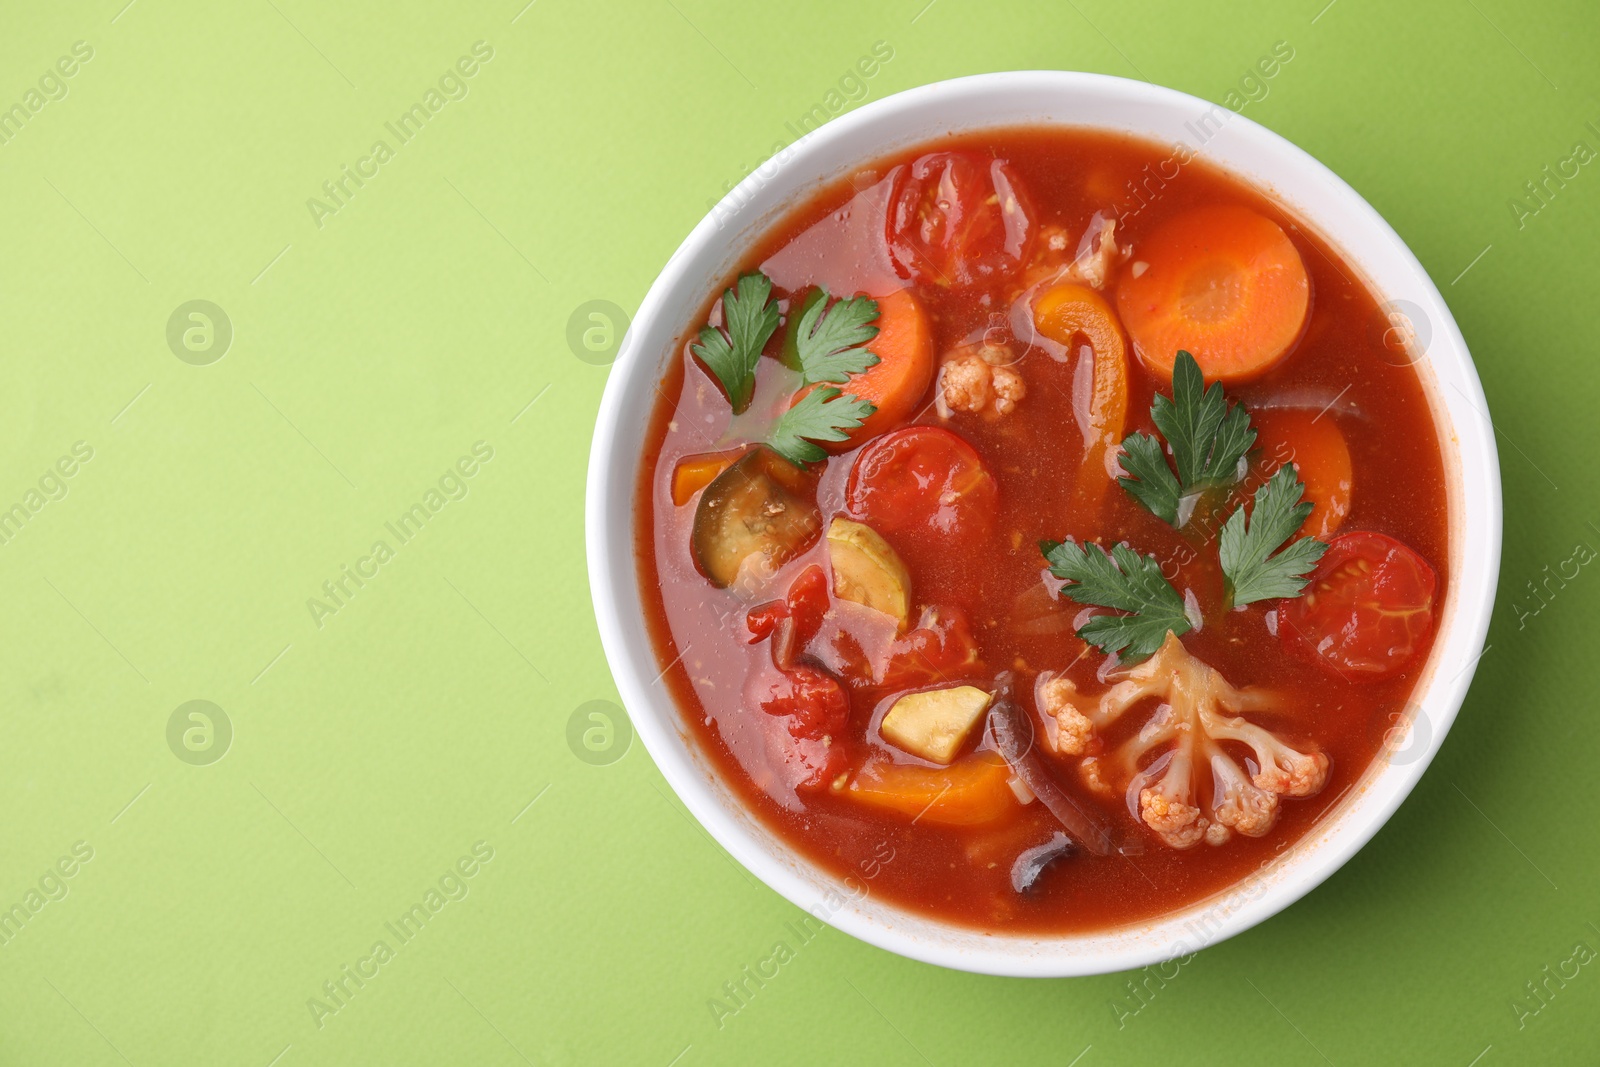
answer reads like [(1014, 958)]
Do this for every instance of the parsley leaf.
[(1249, 568), (1207, 435), (1152, 483), (828, 341), (1126, 581), (821, 415), (750, 317)]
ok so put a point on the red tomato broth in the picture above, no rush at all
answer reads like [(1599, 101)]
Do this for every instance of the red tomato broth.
[(962, 874)]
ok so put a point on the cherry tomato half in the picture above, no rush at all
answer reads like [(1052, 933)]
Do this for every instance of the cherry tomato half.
[(1367, 610), (922, 479), (956, 218)]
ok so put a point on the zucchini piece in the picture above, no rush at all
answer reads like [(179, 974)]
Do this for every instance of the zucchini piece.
[(934, 724), (867, 571)]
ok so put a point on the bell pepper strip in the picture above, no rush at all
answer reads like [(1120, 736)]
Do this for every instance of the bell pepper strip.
[(969, 792), (694, 473), (1064, 312)]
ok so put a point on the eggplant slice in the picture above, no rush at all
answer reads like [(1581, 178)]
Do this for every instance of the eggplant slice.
[(760, 512)]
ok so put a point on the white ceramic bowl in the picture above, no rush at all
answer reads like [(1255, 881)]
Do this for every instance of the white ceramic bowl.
[(1219, 136)]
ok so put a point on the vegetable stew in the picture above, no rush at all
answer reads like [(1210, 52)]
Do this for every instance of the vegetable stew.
[(1057, 510)]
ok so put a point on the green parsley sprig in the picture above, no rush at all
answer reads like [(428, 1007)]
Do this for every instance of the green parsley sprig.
[(825, 343), (1261, 557), (1208, 437), (1127, 581), (824, 414), (829, 343), (1251, 571), (750, 318)]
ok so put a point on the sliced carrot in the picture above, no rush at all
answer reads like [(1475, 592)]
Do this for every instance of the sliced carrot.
[(1063, 313), (694, 473), (970, 791), (1222, 283), (900, 378), (1318, 450)]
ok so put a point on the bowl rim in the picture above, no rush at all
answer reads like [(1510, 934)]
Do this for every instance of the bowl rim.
[(1475, 525)]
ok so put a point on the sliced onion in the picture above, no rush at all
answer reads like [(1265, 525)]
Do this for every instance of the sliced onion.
[(1011, 733), (1031, 862)]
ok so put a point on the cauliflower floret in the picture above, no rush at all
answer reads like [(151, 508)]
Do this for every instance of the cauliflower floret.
[(1283, 769), (1059, 699), (1089, 771), (1097, 253), (967, 384), (1187, 732), (1237, 803), (979, 379), (1094, 262), (1166, 809)]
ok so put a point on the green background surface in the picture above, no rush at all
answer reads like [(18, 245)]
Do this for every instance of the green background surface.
[(430, 710)]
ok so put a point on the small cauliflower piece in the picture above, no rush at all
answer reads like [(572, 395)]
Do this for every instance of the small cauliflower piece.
[(1093, 263), (934, 724), (867, 571), (1097, 254), (980, 379), (1089, 772), (1008, 389), (1186, 733), (1059, 699)]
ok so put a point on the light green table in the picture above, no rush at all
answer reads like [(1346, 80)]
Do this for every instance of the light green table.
[(384, 734)]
